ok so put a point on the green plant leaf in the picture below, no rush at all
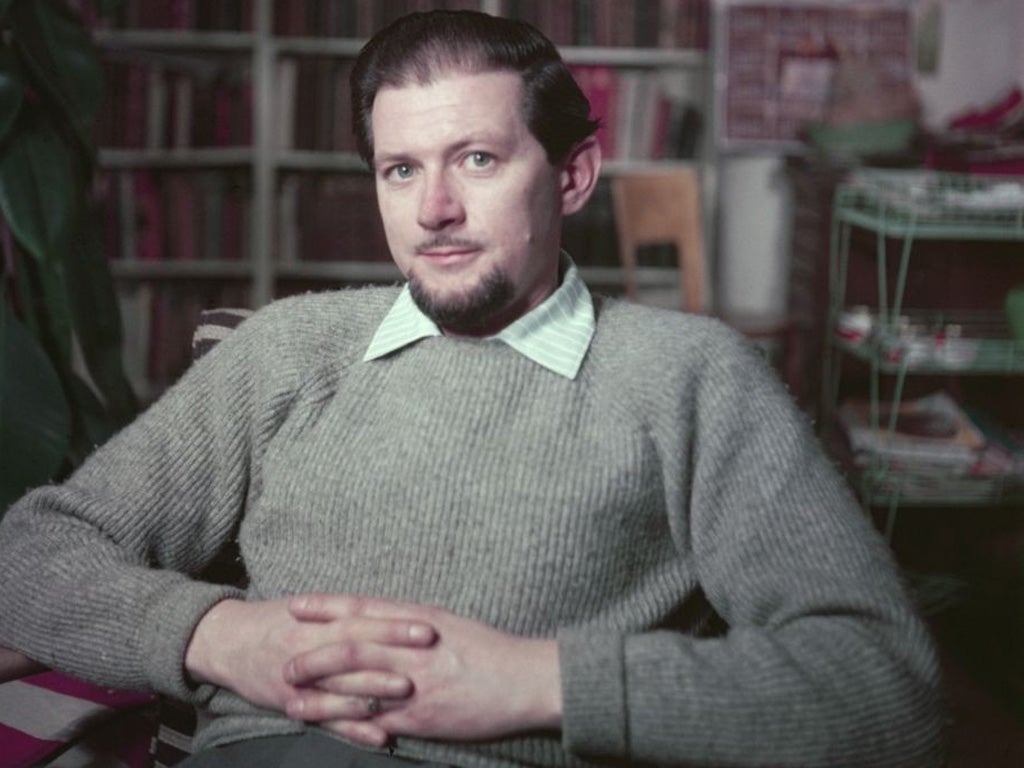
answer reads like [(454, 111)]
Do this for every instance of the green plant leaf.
[(91, 425), (59, 322), (12, 90), (97, 320), (38, 188), (35, 420), (62, 59), (5, 6)]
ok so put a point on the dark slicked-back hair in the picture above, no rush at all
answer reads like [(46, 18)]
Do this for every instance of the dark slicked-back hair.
[(420, 48)]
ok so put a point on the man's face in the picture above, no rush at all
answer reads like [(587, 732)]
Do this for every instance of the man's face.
[(470, 204)]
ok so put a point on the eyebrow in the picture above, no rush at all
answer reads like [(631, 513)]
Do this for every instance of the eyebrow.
[(393, 158)]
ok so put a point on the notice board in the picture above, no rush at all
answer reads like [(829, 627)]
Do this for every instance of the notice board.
[(775, 61)]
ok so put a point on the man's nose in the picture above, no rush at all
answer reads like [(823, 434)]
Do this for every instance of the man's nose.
[(440, 205)]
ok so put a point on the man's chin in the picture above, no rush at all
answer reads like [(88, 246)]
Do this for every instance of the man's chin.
[(470, 310)]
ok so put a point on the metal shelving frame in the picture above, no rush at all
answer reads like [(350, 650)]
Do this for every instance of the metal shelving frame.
[(907, 206)]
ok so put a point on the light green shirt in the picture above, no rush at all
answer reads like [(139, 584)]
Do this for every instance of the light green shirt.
[(556, 334)]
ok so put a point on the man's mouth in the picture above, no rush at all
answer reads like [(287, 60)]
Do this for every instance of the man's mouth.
[(448, 252)]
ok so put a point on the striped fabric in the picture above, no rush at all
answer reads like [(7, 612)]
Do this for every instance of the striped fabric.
[(173, 742), (555, 335), (214, 325), (55, 720)]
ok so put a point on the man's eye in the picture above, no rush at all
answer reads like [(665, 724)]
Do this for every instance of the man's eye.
[(402, 171), (480, 159)]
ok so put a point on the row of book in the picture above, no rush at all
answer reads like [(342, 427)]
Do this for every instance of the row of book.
[(158, 321), (162, 101), (313, 104), (643, 113), (639, 23), (351, 19), (329, 217), (203, 15), (156, 215)]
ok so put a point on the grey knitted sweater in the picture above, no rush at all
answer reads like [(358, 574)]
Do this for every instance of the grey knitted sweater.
[(717, 596)]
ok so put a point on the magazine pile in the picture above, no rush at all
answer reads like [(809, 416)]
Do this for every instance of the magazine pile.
[(934, 451)]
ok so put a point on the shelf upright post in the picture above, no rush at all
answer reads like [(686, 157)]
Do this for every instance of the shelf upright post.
[(901, 278), (838, 263), (882, 271), (263, 54)]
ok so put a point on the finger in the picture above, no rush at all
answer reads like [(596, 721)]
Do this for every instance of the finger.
[(327, 607), (386, 685), (313, 706), (363, 732), (342, 659), (359, 625), (331, 659)]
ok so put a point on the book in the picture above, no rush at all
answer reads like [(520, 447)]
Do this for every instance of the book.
[(126, 216), (599, 84), (135, 300), (148, 218), (183, 216), (287, 77), (287, 219), (927, 431)]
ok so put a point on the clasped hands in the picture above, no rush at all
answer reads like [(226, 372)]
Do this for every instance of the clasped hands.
[(370, 669)]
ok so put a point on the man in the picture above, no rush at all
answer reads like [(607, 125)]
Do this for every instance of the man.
[(487, 519)]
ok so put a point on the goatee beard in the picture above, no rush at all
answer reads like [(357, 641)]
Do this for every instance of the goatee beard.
[(471, 314)]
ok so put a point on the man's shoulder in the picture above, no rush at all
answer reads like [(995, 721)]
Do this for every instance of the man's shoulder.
[(355, 303), (346, 310), (626, 327), (336, 325)]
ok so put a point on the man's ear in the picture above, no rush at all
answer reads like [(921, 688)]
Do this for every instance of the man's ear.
[(579, 173)]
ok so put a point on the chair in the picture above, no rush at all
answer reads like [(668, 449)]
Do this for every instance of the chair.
[(661, 207), (656, 208)]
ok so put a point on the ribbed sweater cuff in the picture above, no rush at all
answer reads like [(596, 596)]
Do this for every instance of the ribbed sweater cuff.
[(169, 624), (593, 694)]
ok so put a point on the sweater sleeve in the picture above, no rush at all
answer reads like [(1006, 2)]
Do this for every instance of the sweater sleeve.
[(823, 661), (97, 575)]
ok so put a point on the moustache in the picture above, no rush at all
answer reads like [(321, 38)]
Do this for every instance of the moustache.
[(447, 242)]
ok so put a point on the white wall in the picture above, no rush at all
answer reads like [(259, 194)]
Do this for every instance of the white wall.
[(754, 235), (982, 57)]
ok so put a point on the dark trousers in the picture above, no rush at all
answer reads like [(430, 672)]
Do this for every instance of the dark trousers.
[(307, 750)]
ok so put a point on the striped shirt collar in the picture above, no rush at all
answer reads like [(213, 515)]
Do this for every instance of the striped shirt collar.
[(556, 334)]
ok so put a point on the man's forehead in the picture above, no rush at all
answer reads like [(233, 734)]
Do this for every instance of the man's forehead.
[(449, 109), (413, 82)]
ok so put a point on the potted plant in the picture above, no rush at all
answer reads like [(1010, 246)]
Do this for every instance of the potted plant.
[(57, 300)]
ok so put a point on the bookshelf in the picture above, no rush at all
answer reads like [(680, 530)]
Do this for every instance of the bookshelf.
[(229, 170)]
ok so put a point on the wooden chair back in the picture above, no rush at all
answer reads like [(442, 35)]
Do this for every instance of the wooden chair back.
[(658, 207)]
